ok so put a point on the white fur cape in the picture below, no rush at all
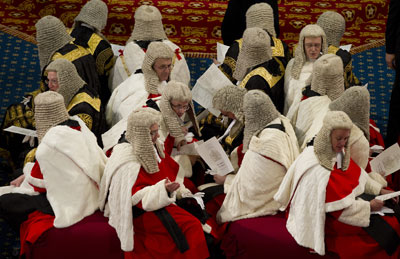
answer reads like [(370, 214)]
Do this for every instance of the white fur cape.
[(293, 87), (251, 192), (128, 96), (304, 188), (111, 137), (72, 165), (120, 175), (132, 60), (310, 116)]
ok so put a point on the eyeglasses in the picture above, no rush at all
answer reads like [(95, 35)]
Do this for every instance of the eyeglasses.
[(163, 67), (52, 81), (153, 133), (311, 45), (180, 107)]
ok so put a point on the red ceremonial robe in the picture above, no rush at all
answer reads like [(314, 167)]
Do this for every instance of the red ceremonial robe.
[(151, 238), (346, 240)]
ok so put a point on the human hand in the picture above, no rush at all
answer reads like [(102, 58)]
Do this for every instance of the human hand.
[(390, 60), (18, 181), (171, 186), (384, 191), (219, 179), (376, 205), (30, 140), (180, 144), (216, 62), (184, 129)]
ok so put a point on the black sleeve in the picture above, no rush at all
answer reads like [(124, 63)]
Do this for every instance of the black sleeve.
[(234, 22), (393, 26), (258, 83)]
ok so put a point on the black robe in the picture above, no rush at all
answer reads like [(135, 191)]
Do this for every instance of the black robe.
[(102, 53), (268, 77), (393, 47), (280, 50)]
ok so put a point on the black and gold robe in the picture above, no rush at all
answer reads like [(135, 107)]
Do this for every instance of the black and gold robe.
[(102, 53), (280, 50), (268, 77)]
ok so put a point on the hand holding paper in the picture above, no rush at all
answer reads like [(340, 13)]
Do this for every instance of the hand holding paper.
[(214, 155)]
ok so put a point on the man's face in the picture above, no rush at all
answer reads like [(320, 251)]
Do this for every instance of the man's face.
[(312, 47), (339, 138), (163, 67), (230, 115), (154, 133), (179, 107), (52, 81)]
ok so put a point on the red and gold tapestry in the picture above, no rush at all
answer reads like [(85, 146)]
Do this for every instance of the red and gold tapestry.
[(196, 25)]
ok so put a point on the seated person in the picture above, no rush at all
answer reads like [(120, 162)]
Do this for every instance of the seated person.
[(144, 84), (326, 86), (320, 190), (86, 30), (257, 69), (334, 27), (53, 43), (79, 99), (258, 15), (148, 27), (229, 101), (270, 147), (175, 103), (312, 42), (61, 187), (138, 192)]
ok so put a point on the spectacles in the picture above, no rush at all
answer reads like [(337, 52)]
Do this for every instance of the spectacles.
[(52, 81), (163, 67), (180, 107), (153, 133), (311, 45)]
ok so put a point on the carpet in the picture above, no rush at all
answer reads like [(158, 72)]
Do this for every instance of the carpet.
[(196, 25)]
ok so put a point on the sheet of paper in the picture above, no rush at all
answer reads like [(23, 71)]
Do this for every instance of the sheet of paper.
[(115, 48), (221, 52), (207, 85), (388, 161), (346, 47), (383, 211), (22, 131), (227, 130), (214, 155), (388, 196), (189, 149)]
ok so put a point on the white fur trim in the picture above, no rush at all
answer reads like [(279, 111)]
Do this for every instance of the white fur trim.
[(276, 144), (349, 199), (293, 87), (72, 165), (133, 58), (378, 178), (372, 186), (359, 147), (252, 189), (310, 116), (357, 214), (128, 96), (153, 197), (36, 181)]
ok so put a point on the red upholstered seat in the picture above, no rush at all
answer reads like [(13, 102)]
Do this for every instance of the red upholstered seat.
[(92, 237), (263, 237)]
